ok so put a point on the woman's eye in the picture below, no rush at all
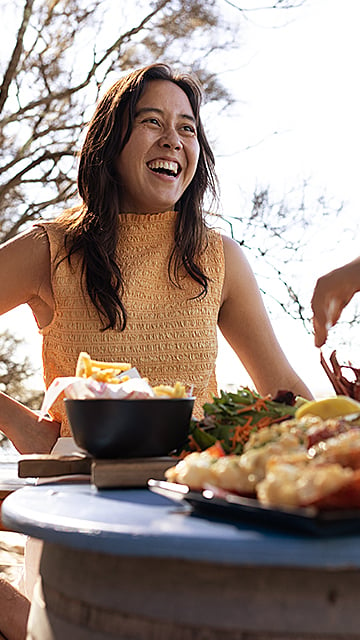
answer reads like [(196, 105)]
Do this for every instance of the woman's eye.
[(152, 121), (188, 128)]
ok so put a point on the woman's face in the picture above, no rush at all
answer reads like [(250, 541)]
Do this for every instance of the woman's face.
[(159, 161)]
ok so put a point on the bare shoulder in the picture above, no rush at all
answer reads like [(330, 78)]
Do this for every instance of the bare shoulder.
[(238, 272), (33, 242), (233, 253), (25, 259), (229, 244)]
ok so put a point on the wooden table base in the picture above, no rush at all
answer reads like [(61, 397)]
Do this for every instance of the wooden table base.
[(90, 596)]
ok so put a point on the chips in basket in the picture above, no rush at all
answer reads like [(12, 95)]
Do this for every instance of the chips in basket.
[(109, 372), (115, 373)]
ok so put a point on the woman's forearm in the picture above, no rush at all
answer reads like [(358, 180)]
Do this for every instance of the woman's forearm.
[(21, 425)]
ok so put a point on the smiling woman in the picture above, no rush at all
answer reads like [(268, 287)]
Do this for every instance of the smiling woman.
[(134, 273)]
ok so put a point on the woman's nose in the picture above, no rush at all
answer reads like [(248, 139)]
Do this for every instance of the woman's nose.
[(170, 139)]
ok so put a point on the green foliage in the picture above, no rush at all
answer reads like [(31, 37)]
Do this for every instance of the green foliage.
[(15, 372)]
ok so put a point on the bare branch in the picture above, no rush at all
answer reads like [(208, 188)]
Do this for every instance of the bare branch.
[(14, 60), (279, 4), (46, 100)]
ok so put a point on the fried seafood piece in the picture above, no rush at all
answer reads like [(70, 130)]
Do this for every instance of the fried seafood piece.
[(347, 496), (343, 448), (293, 481), (230, 474), (274, 441), (199, 470), (328, 429), (288, 431), (195, 470), (308, 431)]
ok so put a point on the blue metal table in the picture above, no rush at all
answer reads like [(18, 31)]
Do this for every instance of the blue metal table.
[(120, 563)]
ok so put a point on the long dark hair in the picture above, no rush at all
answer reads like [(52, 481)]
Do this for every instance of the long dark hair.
[(92, 228)]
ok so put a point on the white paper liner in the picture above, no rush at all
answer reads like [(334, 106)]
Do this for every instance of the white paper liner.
[(85, 388)]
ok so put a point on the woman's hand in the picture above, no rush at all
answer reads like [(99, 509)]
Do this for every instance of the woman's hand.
[(332, 293)]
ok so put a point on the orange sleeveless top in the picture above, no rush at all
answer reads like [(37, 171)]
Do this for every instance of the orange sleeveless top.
[(170, 335)]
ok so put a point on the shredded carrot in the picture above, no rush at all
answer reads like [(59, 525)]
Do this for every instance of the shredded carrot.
[(245, 409), (260, 404), (264, 422), (241, 433), (182, 454), (281, 418), (193, 444)]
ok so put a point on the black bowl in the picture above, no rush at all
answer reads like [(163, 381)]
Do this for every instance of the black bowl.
[(129, 428)]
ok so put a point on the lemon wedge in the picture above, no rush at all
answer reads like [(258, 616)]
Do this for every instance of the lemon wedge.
[(325, 408)]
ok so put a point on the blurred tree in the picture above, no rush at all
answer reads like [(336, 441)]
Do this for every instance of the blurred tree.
[(63, 52), (16, 370), (278, 235)]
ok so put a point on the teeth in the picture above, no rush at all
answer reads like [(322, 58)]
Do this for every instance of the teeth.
[(164, 164)]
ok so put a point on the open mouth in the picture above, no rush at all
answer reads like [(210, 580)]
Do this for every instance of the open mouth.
[(167, 167)]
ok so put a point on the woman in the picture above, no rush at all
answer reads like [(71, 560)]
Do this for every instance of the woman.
[(133, 272)]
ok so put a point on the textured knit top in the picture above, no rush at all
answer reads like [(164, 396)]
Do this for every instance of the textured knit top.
[(170, 335)]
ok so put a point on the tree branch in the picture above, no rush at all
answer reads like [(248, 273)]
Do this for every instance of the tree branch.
[(66, 93), (14, 60)]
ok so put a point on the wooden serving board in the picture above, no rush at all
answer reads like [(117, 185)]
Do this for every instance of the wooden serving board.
[(131, 472), (48, 465), (134, 472)]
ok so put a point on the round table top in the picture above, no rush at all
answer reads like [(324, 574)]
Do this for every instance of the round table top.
[(138, 522)]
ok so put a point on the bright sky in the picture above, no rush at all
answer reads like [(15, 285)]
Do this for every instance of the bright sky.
[(297, 75), (299, 80)]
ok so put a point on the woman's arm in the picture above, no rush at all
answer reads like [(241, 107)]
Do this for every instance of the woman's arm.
[(245, 324), (332, 293), (22, 427), (26, 279), (25, 272)]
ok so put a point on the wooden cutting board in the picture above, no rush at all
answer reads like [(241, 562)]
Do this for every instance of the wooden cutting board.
[(134, 472), (131, 472), (48, 465)]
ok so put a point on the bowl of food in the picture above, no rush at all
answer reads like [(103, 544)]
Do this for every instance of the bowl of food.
[(129, 428)]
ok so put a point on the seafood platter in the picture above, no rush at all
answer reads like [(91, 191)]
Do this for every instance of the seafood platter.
[(280, 462)]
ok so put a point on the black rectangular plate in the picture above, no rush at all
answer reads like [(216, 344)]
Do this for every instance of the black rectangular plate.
[(219, 504)]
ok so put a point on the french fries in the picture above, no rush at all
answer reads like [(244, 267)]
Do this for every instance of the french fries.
[(177, 391), (109, 371), (99, 370)]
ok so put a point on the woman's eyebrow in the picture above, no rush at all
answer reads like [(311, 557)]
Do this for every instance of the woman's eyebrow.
[(143, 110)]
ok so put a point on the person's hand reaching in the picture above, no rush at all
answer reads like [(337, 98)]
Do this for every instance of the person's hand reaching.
[(332, 293)]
